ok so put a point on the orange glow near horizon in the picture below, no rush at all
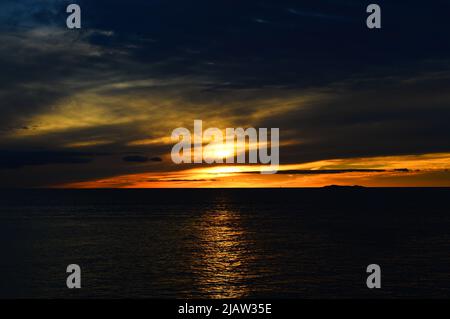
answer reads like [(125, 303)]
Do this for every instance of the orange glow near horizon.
[(429, 170)]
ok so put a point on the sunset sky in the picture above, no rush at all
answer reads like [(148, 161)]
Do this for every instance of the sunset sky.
[(96, 107)]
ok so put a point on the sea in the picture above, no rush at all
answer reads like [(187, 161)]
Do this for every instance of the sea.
[(308, 243)]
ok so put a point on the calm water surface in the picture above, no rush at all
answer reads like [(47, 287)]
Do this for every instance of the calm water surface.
[(304, 243)]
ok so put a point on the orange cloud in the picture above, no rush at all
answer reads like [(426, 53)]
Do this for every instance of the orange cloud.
[(390, 171)]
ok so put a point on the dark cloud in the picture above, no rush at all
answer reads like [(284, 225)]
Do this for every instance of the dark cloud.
[(403, 115), (378, 92), (404, 170), (324, 171), (18, 159), (136, 159), (331, 171), (140, 159)]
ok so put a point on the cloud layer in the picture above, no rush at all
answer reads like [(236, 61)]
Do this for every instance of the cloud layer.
[(135, 72)]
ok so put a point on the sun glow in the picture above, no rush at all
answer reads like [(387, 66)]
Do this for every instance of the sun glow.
[(221, 170), (219, 151), (392, 171)]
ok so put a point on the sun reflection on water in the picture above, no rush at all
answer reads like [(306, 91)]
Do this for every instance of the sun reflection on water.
[(222, 260)]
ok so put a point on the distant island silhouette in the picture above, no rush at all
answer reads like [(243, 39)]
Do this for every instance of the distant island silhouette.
[(343, 186)]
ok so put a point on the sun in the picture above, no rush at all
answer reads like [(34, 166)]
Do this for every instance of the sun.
[(218, 151), (224, 153)]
